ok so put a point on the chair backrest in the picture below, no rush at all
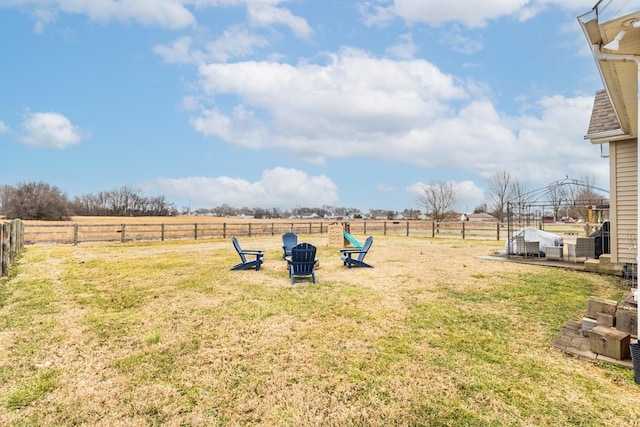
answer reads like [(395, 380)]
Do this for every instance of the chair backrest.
[(586, 246), (365, 248), (289, 240), (303, 258), (238, 248)]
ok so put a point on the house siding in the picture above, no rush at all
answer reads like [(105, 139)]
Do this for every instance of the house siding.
[(624, 212)]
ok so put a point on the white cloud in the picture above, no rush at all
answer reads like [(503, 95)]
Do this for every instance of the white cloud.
[(178, 52), (402, 111), (262, 14), (171, 14), (461, 43), (4, 128), (405, 48), (384, 188), (351, 105), (274, 189), (50, 130), (470, 13), (235, 42)]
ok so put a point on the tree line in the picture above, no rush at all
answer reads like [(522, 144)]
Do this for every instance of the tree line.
[(505, 195), (42, 201)]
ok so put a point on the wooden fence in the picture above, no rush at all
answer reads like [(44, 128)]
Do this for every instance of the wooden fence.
[(11, 242), (81, 232)]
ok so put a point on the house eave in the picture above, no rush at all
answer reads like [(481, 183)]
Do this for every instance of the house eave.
[(607, 136)]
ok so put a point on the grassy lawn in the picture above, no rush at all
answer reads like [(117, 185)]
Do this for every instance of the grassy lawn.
[(163, 333)]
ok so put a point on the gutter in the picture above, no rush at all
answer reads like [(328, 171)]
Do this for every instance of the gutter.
[(599, 55)]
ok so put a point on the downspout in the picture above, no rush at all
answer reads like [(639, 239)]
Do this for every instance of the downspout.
[(599, 55)]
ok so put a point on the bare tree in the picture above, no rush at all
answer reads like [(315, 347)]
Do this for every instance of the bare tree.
[(34, 200), (587, 196), (438, 198), (499, 193), (558, 194)]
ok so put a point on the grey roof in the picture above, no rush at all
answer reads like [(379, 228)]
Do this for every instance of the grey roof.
[(603, 116)]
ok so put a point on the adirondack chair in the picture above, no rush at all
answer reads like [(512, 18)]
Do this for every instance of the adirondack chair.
[(302, 262), (347, 254), (289, 240), (251, 263)]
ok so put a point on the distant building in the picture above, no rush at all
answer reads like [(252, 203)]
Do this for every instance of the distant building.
[(482, 216)]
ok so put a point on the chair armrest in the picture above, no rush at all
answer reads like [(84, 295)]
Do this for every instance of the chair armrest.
[(251, 252), (351, 250)]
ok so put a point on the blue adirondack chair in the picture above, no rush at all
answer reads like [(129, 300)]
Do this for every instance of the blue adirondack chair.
[(251, 263), (289, 240), (302, 262), (347, 255)]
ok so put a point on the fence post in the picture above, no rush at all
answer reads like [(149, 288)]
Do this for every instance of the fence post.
[(433, 229), (273, 231), (463, 229), (4, 249), (162, 232), (407, 228), (498, 231), (122, 231), (249, 229), (195, 231), (224, 230), (364, 225)]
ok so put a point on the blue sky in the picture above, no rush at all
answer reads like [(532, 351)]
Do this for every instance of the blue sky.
[(275, 103)]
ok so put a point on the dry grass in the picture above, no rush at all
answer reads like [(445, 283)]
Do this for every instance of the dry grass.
[(162, 333)]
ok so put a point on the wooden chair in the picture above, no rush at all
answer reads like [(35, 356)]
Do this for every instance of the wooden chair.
[(302, 262), (251, 263), (347, 254), (584, 247)]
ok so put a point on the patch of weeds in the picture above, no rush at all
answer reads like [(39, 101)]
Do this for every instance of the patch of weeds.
[(154, 338), (148, 366), (32, 389)]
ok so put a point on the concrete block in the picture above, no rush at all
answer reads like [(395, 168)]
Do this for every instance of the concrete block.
[(587, 325), (607, 320), (627, 320), (609, 342), (600, 305)]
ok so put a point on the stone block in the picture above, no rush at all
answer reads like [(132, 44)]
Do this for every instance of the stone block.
[(605, 319), (587, 325), (609, 342), (627, 320), (601, 305)]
